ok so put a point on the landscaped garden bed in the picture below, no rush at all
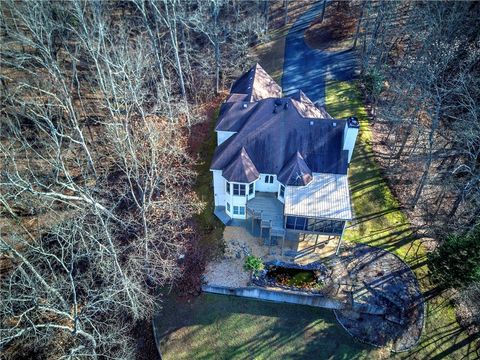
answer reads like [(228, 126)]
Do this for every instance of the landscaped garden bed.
[(309, 278)]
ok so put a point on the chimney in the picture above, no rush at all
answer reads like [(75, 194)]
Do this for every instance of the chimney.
[(350, 135)]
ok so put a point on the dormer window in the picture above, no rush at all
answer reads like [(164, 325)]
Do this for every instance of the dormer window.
[(282, 191), (269, 179)]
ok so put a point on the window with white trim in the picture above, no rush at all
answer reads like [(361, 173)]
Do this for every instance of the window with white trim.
[(239, 189), (269, 179), (228, 206), (282, 191), (239, 210), (227, 187), (250, 189)]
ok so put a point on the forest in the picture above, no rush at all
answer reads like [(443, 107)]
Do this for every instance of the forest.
[(101, 103), (420, 76)]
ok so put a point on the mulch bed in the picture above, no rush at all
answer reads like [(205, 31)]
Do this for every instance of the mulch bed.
[(385, 285)]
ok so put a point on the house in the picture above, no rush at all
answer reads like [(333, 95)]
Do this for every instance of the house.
[(281, 161)]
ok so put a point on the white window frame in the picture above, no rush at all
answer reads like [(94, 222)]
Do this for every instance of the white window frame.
[(239, 185), (269, 179), (228, 207), (280, 191), (227, 188), (238, 210)]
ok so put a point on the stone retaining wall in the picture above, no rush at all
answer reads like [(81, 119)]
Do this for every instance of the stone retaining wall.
[(277, 296)]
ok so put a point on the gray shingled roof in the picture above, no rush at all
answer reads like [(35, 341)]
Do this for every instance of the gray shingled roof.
[(257, 84), (327, 196), (241, 169), (295, 172), (272, 131)]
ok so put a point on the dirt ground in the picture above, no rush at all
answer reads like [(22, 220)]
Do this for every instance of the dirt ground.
[(383, 302), (228, 270), (336, 31)]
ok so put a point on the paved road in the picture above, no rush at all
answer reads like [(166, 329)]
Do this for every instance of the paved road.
[(308, 69)]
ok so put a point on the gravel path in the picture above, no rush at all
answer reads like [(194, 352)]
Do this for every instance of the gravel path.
[(382, 283)]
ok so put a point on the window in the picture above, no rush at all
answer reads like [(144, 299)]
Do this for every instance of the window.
[(250, 189), (282, 191), (239, 189), (296, 223), (228, 187), (325, 226), (315, 225), (228, 207), (239, 210), (269, 179)]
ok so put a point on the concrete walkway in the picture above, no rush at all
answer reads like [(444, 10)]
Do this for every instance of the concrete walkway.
[(309, 69)]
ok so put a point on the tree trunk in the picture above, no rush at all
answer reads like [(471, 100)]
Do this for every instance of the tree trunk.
[(357, 31), (323, 10)]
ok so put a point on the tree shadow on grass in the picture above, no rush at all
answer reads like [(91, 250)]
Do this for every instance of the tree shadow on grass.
[(217, 326)]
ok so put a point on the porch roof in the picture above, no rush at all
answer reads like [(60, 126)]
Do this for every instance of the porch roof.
[(326, 196)]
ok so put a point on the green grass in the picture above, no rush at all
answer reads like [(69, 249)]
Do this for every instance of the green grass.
[(224, 327), (270, 54), (380, 222), (210, 227)]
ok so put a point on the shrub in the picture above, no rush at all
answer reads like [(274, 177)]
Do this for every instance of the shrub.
[(456, 262), (253, 263)]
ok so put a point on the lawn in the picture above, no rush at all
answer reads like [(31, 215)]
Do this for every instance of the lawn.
[(209, 227), (223, 327), (380, 222), (270, 54)]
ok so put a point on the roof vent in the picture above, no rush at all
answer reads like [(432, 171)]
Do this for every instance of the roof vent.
[(278, 102), (311, 123), (274, 109), (334, 124), (285, 106), (245, 105)]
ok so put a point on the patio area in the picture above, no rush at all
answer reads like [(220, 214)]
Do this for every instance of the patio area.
[(242, 240)]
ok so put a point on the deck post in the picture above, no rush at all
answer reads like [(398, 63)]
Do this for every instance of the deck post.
[(340, 238), (316, 242)]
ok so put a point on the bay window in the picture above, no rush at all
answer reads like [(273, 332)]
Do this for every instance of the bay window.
[(239, 189)]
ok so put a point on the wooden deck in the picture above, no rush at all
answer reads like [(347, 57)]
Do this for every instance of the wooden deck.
[(267, 208)]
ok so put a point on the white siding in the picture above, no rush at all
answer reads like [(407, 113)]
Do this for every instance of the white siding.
[(349, 137), (223, 135), (264, 187), (236, 200), (218, 187)]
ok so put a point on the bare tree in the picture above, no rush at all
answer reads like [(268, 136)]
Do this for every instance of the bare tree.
[(120, 182)]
